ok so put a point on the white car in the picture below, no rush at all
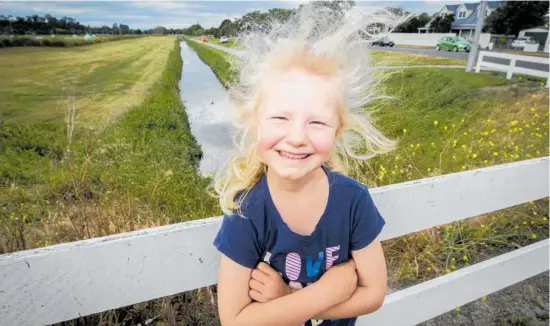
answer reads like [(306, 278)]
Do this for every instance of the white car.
[(520, 42), (224, 39)]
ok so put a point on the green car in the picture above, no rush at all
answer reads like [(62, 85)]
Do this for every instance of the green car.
[(453, 43)]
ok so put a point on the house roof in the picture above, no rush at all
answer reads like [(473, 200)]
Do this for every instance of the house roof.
[(471, 20), (471, 6), (452, 8)]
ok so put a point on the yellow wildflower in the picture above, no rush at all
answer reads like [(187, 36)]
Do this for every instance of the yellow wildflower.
[(533, 236), (474, 155), (495, 153), (535, 213), (436, 123), (532, 109), (489, 120)]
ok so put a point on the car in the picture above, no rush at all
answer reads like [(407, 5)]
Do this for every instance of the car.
[(384, 41), (453, 43), (520, 42), (224, 39)]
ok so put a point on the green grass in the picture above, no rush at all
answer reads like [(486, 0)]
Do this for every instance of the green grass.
[(390, 58), (7, 41), (106, 79), (215, 58), (137, 172)]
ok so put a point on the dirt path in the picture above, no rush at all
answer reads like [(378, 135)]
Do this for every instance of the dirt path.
[(522, 304)]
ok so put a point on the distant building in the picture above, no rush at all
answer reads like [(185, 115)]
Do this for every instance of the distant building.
[(465, 17)]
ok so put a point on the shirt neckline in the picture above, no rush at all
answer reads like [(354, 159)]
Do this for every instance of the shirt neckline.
[(318, 226)]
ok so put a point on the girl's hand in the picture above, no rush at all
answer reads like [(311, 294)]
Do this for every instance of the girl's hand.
[(342, 281), (266, 284)]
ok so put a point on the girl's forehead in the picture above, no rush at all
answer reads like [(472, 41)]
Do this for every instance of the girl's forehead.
[(299, 89)]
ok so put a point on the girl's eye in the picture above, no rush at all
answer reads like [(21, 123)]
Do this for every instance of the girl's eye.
[(317, 122), (279, 118)]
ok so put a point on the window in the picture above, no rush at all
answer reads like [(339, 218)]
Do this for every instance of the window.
[(461, 14)]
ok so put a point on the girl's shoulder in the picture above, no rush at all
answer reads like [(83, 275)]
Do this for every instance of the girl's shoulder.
[(347, 185)]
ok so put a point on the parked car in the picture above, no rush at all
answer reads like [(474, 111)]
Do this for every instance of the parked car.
[(224, 39), (520, 42), (384, 41), (453, 43)]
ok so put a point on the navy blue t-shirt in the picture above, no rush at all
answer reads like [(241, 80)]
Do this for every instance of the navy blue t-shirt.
[(350, 222)]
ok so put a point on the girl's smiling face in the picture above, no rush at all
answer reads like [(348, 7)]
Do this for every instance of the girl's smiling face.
[(297, 123)]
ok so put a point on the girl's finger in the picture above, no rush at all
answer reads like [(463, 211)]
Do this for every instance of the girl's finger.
[(255, 285), (256, 296), (266, 269), (260, 276)]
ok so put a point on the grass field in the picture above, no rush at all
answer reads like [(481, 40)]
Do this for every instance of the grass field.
[(389, 58), (7, 41), (106, 79), (64, 181)]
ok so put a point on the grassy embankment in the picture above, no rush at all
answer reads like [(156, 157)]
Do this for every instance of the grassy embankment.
[(7, 41), (126, 161), (445, 121)]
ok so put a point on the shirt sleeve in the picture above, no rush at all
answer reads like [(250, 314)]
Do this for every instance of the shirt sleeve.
[(367, 223), (238, 240)]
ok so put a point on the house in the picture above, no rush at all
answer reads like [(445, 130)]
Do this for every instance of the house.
[(465, 17)]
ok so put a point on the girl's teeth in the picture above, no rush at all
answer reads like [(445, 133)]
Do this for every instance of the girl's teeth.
[(292, 156)]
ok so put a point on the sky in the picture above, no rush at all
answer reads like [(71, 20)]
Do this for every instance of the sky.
[(176, 14)]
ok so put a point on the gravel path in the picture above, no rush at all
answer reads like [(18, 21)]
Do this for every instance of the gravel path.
[(522, 304)]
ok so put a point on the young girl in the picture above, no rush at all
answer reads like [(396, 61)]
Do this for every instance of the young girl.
[(299, 239)]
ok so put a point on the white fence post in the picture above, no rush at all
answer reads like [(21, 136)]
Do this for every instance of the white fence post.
[(479, 59), (511, 68)]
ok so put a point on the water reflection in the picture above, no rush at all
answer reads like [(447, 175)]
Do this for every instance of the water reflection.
[(205, 100)]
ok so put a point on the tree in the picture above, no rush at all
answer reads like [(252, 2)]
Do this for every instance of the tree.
[(411, 25), (159, 30), (227, 28), (442, 24), (513, 16)]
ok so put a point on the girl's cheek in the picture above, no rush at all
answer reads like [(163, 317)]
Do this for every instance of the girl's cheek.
[(323, 143), (269, 136)]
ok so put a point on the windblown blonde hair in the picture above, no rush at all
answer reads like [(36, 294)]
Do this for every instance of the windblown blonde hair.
[(324, 44)]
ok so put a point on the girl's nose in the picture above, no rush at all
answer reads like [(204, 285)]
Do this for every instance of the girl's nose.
[(296, 135)]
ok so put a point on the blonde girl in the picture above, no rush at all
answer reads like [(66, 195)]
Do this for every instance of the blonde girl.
[(299, 238)]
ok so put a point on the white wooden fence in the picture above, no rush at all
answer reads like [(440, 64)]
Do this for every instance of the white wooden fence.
[(65, 281), (512, 67)]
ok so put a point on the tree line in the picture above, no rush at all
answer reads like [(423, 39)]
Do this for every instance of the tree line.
[(49, 25), (509, 18)]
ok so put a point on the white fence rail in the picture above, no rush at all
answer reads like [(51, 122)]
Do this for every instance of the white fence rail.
[(62, 282), (511, 67)]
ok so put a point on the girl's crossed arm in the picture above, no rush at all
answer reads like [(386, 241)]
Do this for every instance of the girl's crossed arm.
[(368, 296), (236, 307)]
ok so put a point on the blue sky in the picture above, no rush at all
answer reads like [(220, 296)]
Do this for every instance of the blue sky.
[(176, 14)]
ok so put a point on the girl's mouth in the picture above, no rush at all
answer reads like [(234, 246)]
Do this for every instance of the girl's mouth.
[(293, 156)]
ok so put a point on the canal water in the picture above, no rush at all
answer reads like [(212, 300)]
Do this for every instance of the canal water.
[(206, 104)]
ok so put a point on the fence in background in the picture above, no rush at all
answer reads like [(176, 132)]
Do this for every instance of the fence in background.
[(66, 281), (513, 64)]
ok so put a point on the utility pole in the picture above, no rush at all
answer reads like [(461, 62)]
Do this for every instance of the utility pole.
[(479, 26)]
